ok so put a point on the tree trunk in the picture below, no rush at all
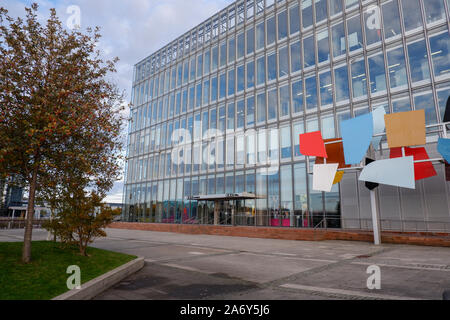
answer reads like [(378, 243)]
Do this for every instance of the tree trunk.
[(26, 253)]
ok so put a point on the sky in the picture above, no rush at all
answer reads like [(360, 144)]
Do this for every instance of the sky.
[(131, 30)]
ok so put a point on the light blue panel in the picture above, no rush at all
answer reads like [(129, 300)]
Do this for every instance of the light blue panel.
[(444, 148), (357, 134), (398, 172), (378, 126)]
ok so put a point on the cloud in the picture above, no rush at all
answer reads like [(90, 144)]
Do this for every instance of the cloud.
[(131, 30)]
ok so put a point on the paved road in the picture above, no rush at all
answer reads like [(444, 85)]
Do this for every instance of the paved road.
[(182, 266)]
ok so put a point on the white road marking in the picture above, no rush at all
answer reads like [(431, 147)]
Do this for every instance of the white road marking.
[(345, 292), (196, 253)]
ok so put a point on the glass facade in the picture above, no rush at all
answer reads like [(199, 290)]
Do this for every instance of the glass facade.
[(220, 109)]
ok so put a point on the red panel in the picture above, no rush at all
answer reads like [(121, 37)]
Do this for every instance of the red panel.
[(422, 170), (311, 144)]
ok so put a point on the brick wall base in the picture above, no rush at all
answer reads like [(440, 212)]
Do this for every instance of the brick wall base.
[(424, 239)]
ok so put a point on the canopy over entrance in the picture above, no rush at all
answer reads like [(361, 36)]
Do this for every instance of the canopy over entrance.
[(225, 197)]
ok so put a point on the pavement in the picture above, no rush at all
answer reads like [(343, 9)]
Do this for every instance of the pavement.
[(195, 267)]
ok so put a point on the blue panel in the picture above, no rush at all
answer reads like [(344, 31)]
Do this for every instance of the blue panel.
[(357, 134), (398, 172), (444, 148)]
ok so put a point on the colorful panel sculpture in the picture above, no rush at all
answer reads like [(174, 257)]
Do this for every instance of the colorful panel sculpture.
[(335, 152), (405, 129), (378, 126), (338, 177), (357, 134), (323, 176), (370, 185), (444, 148), (311, 144), (422, 170), (398, 172)]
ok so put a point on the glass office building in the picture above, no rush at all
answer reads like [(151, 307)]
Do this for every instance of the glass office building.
[(217, 113)]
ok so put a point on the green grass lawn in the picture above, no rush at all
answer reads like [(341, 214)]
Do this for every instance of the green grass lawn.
[(45, 278)]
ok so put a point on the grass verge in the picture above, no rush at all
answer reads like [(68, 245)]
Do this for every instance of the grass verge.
[(45, 278)]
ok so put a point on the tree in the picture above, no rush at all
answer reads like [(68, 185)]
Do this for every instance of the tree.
[(60, 119), (81, 218)]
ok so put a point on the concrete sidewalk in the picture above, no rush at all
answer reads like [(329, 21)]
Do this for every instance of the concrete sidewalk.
[(180, 266)]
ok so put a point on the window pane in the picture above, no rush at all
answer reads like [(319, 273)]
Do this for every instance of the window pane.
[(213, 119), (286, 148), (261, 69), (397, 69), (335, 7), (308, 52), (418, 61), (214, 89), (231, 50), (250, 74), (215, 57), (186, 72), (373, 30), (199, 95), (222, 119), (354, 33), (240, 116), (240, 46), (261, 107), (426, 102), (272, 104), (207, 63), (282, 25), (192, 72), (359, 79), (326, 89), (338, 37), (434, 10), (285, 101), (271, 30), (206, 92), (222, 86), (297, 96), (391, 19), (301, 194), (231, 82), (402, 105), (294, 20), (328, 127), (250, 111), (240, 78), (321, 10), (272, 66), (297, 130), (411, 15), (296, 58), (311, 93), (223, 54), (260, 36), (250, 41), (442, 101), (230, 117), (377, 74), (199, 65), (283, 60), (307, 13), (323, 49), (440, 53)]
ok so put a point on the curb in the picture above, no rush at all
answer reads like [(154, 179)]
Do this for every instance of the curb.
[(96, 286)]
